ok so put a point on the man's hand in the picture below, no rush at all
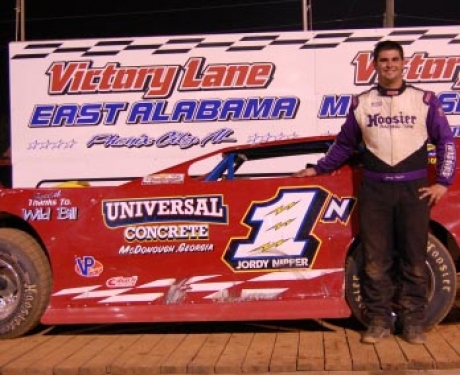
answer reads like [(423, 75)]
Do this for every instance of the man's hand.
[(307, 172), (433, 192)]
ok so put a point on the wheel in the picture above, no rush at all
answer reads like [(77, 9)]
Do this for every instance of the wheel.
[(441, 288), (25, 283)]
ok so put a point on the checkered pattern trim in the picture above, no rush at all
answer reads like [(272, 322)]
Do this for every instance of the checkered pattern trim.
[(230, 43)]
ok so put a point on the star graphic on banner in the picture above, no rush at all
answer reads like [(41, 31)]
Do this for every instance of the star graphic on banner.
[(53, 145)]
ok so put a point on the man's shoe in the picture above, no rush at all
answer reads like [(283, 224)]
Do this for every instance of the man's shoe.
[(414, 335), (374, 334)]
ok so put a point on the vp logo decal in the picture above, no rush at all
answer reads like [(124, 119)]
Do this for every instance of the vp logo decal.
[(88, 266)]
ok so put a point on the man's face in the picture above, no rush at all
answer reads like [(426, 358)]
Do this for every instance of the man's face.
[(389, 66)]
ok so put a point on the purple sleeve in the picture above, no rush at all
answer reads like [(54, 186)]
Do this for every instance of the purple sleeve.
[(346, 142), (440, 134)]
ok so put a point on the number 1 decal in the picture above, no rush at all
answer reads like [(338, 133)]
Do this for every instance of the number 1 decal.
[(281, 231)]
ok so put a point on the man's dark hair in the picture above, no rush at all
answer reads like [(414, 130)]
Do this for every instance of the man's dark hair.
[(388, 45)]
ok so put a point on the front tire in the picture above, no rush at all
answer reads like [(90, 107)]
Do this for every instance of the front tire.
[(441, 286), (25, 283)]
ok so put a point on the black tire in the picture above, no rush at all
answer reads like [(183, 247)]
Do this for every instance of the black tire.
[(25, 283), (442, 283)]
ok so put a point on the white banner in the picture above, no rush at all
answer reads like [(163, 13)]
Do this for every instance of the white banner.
[(115, 108)]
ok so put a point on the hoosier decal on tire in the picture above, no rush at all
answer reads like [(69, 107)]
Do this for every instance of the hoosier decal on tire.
[(25, 283), (442, 283)]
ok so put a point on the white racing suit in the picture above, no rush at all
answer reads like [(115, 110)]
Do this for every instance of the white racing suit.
[(394, 127)]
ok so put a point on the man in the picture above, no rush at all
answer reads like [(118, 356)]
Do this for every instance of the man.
[(394, 122)]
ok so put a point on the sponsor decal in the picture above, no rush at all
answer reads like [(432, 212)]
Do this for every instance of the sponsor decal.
[(163, 178), (129, 212), (121, 282), (88, 266), (167, 214)]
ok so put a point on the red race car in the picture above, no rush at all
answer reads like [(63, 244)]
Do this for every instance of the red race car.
[(231, 235)]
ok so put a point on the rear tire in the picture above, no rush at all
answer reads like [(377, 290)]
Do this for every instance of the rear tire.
[(442, 283), (25, 283)]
